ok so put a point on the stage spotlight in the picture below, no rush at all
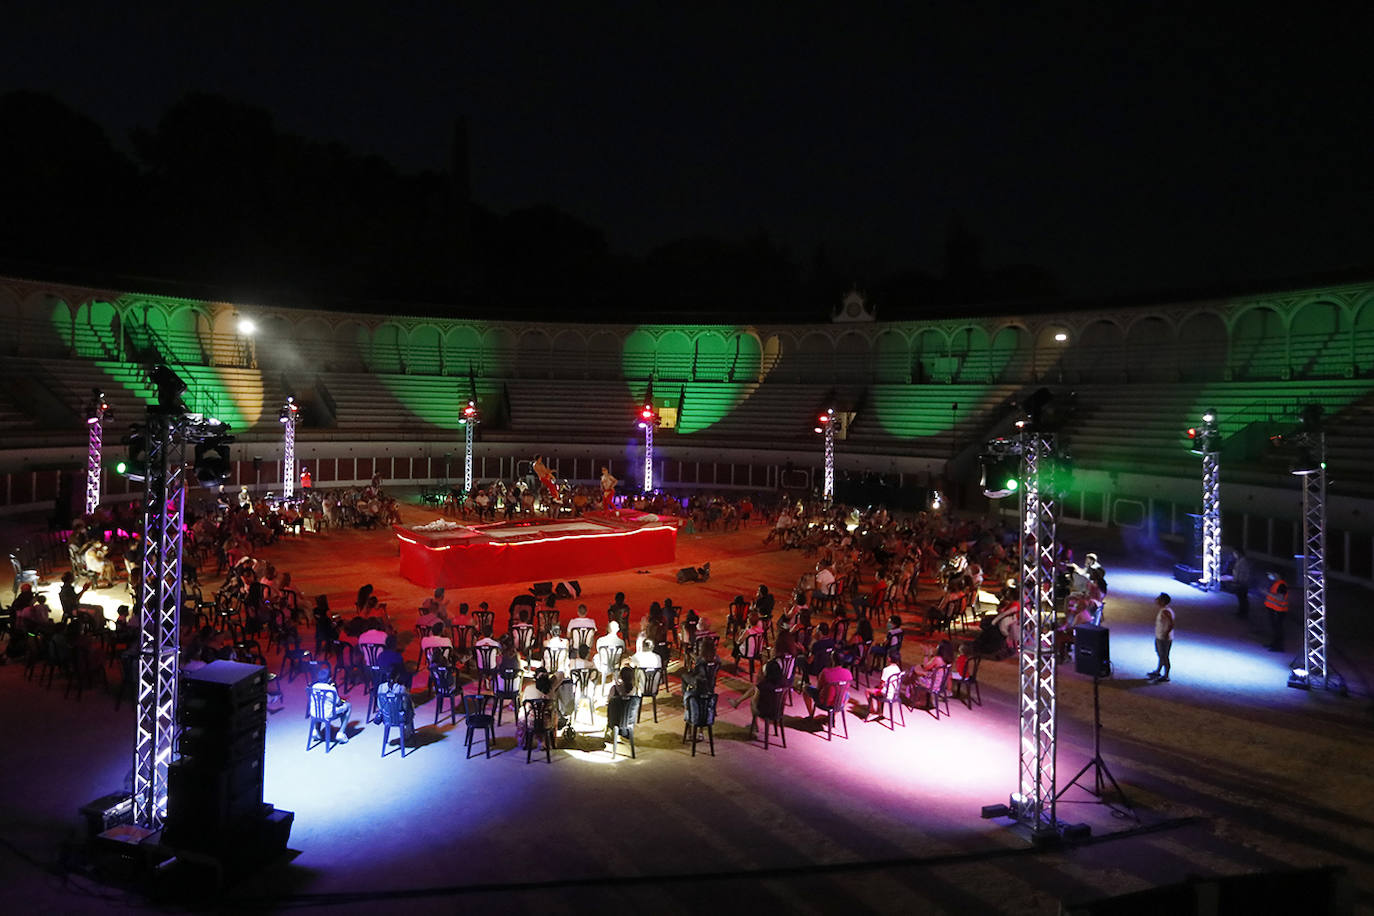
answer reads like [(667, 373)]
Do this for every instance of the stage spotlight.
[(1312, 418), (213, 465), (170, 388), (135, 464), (1000, 473), (1209, 416), (1037, 410), (1306, 462)]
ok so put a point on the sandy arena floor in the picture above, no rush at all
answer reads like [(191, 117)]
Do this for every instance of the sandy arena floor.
[(1231, 773)]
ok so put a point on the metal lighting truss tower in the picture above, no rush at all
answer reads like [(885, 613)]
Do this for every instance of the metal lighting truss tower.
[(95, 424), (1034, 802), (827, 429), (289, 415), (648, 419), (164, 495), (469, 420), (167, 433), (1210, 446), (1310, 468)]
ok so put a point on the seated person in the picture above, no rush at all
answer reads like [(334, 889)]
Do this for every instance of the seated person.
[(555, 638), (581, 621), (428, 618), (771, 676), (931, 671), (399, 687), (699, 678), (393, 662), (878, 692), (336, 709), (582, 658), (606, 647), (462, 618), (831, 688), (646, 656), (822, 650), (509, 665), (541, 687), (755, 628), (437, 638)]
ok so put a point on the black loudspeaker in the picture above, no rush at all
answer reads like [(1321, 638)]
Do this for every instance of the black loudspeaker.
[(215, 789), (540, 589), (1092, 650), (687, 574)]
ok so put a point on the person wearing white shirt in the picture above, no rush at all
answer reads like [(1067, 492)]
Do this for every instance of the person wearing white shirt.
[(825, 578), (646, 657)]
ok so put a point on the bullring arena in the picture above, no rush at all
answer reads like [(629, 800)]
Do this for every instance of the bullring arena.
[(1230, 772)]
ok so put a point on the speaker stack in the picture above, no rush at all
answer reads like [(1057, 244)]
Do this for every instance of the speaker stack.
[(214, 791)]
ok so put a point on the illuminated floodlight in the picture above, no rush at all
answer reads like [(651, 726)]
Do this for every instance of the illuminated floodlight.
[(247, 327), (1061, 337)]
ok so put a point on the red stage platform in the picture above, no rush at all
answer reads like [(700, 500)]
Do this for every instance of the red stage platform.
[(535, 550)]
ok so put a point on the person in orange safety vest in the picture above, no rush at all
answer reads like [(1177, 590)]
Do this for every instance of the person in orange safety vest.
[(1276, 602)]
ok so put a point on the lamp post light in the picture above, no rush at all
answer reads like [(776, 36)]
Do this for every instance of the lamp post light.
[(289, 416), (648, 419), (95, 422), (1209, 446), (469, 420), (247, 328), (826, 428)]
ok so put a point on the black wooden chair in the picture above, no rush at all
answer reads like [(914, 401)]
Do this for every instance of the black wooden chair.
[(608, 661), (940, 692), (621, 715), (968, 684), (485, 659), (523, 635), (506, 688), (538, 724), (832, 699), (545, 620), (393, 705), (464, 636), (555, 658), (582, 679), (476, 716), (890, 650), (771, 702), (889, 695), (751, 651), (648, 682), (580, 637), (699, 712), (788, 663), (443, 685)]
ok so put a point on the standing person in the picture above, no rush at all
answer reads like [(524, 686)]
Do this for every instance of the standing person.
[(1164, 638), (1276, 601), (305, 478), (1240, 583), (608, 483)]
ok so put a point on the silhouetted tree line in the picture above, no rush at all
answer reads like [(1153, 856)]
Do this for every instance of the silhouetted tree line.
[(215, 201)]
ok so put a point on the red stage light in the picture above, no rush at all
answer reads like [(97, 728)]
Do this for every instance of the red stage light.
[(1192, 432)]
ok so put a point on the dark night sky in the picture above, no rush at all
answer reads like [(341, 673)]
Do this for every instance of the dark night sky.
[(1123, 151)]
